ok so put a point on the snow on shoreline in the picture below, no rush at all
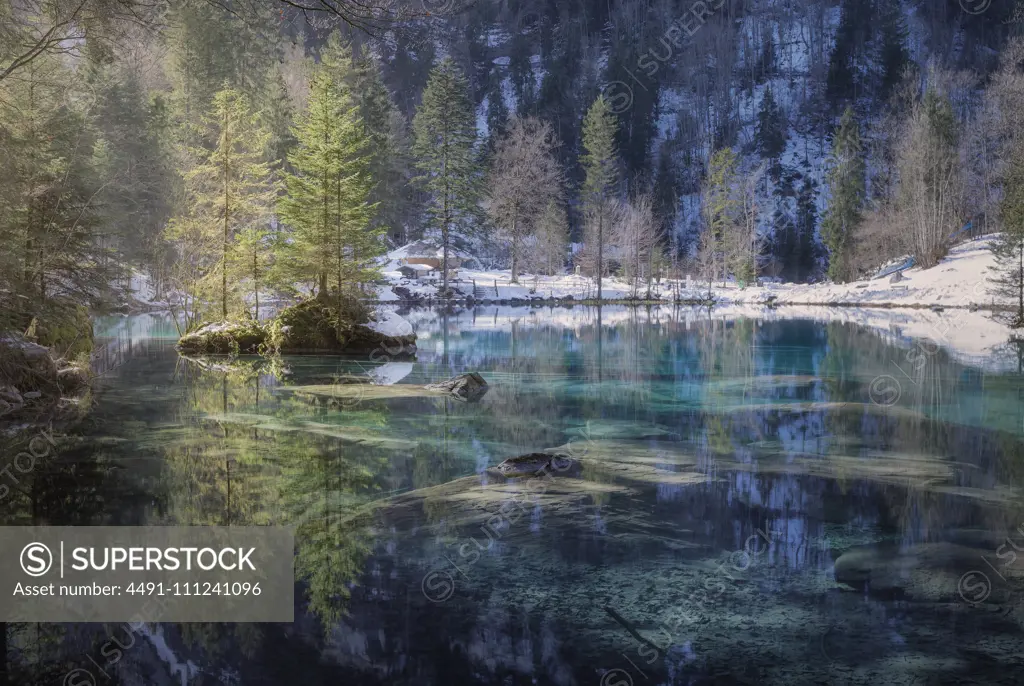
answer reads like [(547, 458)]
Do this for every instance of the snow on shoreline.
[(959, 281)]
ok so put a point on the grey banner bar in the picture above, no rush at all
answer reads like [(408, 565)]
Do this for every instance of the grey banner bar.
[(147, 574)]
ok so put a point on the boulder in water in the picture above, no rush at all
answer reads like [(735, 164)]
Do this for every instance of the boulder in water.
[(470, 386), (537, 464)]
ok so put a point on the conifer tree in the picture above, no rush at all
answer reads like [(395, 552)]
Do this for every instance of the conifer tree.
[(55, 252), (601, 166), (845, 180), (771, 129), (230, 188), (327, 202), (721, 209), (445, 129), (388, 133), (806, 226), (255, 253), (667, 189), (894, 56), (1008, 247)]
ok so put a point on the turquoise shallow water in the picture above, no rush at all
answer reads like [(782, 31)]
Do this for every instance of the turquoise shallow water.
[(726, 466)]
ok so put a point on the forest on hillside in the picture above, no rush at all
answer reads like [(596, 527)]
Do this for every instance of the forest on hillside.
[(233, 152)]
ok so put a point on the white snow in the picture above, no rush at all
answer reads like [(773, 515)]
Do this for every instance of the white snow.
[(961, 280), (949, 304), (391, 324)]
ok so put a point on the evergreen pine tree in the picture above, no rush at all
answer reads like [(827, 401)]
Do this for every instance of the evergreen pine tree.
[(50, 215), (806, 226), (136, 197), (1008, 246), (497, 116), (387, 131), (894, 56), (770, 135), (845, 179), (601, 166), (445, 129), (327, 201), (255, 253), (230, 188), (667, 189), (276, 115), (721, 208), (843, 81)]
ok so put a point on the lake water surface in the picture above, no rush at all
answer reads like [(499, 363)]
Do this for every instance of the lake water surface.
[(726, 466)]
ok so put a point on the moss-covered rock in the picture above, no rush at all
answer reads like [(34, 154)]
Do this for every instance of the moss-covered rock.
[(316, 326), (26, 366), (67, 330), (925, 571), (224, 338)]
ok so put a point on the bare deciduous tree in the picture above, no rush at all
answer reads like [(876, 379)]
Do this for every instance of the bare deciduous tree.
[(930, 177), (525, 179), (547, 253), (638, 238)]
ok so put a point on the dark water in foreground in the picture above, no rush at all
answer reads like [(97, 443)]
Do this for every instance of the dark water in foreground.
[(727, 465)]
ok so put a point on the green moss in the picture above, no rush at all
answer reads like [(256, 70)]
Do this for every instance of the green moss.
[(68, 331), (232, 338), (310, 326)]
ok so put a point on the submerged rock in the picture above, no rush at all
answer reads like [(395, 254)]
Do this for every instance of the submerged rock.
[(470, 386), (537, 464), (926, 571)]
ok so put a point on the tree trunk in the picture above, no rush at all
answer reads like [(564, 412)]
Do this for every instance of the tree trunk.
[(256, 282), (1020, 285), (515, 247), (600, 252), (224, 255)]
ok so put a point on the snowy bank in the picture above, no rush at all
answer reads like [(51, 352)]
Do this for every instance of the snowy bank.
[(961, 280)]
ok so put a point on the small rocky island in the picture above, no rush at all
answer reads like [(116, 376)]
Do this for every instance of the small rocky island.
[(314, 326)]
